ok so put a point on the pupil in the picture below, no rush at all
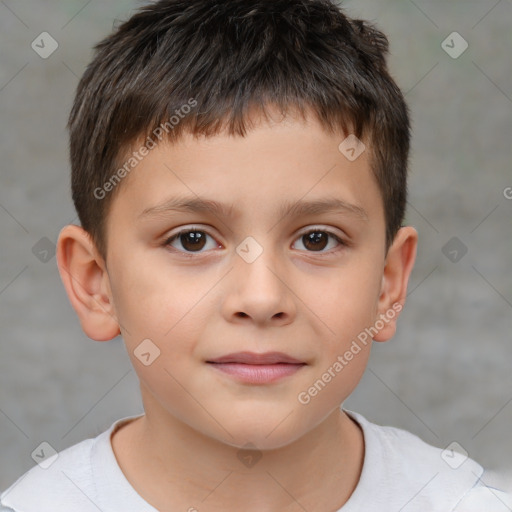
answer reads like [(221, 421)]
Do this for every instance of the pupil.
[(192, 240), (314, 238)]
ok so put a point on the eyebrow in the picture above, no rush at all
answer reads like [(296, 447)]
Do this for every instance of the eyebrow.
[(297, 208)]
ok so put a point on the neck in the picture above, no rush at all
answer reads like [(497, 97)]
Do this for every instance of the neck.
[(174, 467)]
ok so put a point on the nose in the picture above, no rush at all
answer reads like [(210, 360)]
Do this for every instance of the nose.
[(257, 290)]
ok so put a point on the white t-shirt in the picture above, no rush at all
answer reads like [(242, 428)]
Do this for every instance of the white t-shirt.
[(401, 473)]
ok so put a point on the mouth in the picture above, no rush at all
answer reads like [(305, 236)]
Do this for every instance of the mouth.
[(253, 368)]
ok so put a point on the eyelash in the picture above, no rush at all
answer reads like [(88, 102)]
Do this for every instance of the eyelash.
[(190, 254)]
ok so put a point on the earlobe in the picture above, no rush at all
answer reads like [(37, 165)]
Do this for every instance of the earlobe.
[(86, 281), (397, 270)]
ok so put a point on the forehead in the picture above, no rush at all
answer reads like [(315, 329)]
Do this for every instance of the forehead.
[(287, 166)]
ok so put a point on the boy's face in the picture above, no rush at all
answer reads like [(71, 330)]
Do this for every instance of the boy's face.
[(248, 280)]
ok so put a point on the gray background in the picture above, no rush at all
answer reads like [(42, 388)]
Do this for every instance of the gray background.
[(445, 376)]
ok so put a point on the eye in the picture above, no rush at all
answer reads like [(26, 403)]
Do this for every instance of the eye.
[(192, 240), (315, 240)]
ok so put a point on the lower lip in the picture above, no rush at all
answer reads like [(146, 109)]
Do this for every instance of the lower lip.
[(258, 373)]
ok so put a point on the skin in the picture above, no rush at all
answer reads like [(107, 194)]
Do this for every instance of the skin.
[(310, 302)]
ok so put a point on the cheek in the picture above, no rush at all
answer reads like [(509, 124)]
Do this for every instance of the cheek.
[(347, 303), (159, 316), (147, 302)]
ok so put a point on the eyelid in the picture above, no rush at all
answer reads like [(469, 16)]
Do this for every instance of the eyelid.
[(303, 231), (187, 229), (319, 227)]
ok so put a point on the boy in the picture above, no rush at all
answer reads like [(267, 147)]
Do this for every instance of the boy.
[(239, 170)]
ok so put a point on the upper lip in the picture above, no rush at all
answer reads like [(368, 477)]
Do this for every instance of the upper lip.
[(255, 358)]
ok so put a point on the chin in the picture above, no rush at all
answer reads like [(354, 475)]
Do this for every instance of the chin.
[(263, 431), (250, 439)]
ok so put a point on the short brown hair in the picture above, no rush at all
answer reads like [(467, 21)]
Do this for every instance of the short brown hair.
[(229, 57)]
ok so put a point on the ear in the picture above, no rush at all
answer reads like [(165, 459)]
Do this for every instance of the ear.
[(397, 269), (84, 275)]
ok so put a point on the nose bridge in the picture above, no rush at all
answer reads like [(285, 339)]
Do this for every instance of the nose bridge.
[(258, 282), (257, 263)]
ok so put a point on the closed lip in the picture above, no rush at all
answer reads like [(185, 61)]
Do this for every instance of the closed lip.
[(255, 358)]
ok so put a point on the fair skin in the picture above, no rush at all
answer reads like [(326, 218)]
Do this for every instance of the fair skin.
[(199, 302)]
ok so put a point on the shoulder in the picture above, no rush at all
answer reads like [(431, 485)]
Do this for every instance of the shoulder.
[(492, 492), (401, 470), (64, 482)]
